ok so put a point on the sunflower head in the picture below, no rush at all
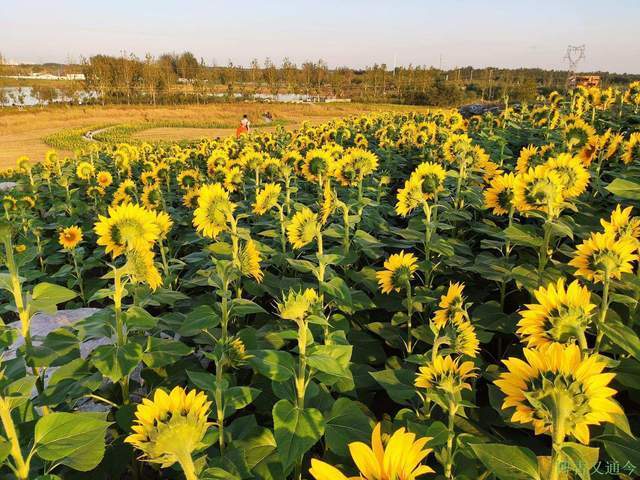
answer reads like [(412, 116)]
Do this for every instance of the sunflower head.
[(538, 189), (559, 390), (431, 177), (214, 210), (577, 133), (70, 237), (602, 256), (447, 375), (398, 272), (409, 197), (499, 195), (267, 198), (128, 226), (296, 306), (571, 172), (250, 261), (452, 308), (141, 268), (632, 148), (188, 178), (561, 315), (104, 179), (170, 426), (151, 196), (84, 170), (317, 164), (303, 228), (622, 224)]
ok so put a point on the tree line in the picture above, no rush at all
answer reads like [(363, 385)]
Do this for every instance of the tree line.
[(182, 78)]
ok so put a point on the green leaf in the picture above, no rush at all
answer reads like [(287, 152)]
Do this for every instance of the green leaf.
[(242, 307), (345, 423), (398, 384), (236, 398), (624, 189), (19, 391), (200, 318), (332, 360), (337, 289), (296, 431), (116, 362), (622, 448), (273, 364), (161, 352), (46, 296), (523, 235), (580, 458), (138, 318), (623, 337), (203, 380), (59, 346), (507, 462), (72, 439)]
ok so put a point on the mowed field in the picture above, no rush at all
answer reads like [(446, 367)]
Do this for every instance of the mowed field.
[(23, 132)]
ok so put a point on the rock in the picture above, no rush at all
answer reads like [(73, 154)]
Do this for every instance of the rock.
[(42, 324), (478, 109), (6, 186)]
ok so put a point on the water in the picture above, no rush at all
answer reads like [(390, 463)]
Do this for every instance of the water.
[(25, 96)]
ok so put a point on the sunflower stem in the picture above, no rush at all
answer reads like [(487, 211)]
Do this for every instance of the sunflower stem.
[(78, 274), (21, 468), (409, 315), (452, 410), (604, 306)]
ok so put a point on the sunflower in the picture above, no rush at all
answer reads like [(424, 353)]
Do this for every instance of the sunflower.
[(296, 306), (354, 166), (532, 156), (141, 268), (148, 177), (169, 428), (188, 178), (190, 198), (104, 179), (213, 212), (572, 174), (451, 305), (266, 198), (317, 163), (250, 261), (603, 256), (632, 148), (561, 315), (127, 189), (302, 228), (400, 459), (218, 158), (499, 195), (456, 147), (409, 197), (622, 224), (577, 133), (164, 222), (128, 226), (431, 177), (151, 197), (70, 237), (538, 189), (233, 179), (398, 272), (23, 163), (84, 170), (446, 374), (272, 168), (559, 390)]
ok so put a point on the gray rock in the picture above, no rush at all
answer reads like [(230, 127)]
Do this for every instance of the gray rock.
[(6, 186)]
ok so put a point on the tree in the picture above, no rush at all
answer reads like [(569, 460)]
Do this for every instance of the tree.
[(187, 66)]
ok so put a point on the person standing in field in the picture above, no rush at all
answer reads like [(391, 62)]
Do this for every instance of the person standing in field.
[(244, 126)]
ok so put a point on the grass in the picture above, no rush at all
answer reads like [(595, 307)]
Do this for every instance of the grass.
[(33, 131)]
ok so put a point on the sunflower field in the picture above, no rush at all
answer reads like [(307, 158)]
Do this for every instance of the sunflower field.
[(384, 297)]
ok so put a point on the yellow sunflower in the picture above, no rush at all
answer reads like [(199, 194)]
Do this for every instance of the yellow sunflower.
[(70, 237), (398, 272), (266, 198), (250, 261), (561, 315), (559, 390), (632, 148), (431, 177), (538, 189), (400, 459), (409, 197), (128, 226), (141, 267), (233, 179), (104, 179), (577, 133), (572, 174), (317, 164), (190, 198), (151, 197), (622, 224), (451, 305), (499, 195), (84, 170), (446, 374), (214, 209), (188, 178), (603, 256), (303, 228), (169, 428)]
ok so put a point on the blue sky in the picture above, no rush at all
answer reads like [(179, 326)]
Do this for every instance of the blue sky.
[(503, 33)]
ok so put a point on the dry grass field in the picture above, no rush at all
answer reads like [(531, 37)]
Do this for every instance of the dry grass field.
[(22, 132)]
